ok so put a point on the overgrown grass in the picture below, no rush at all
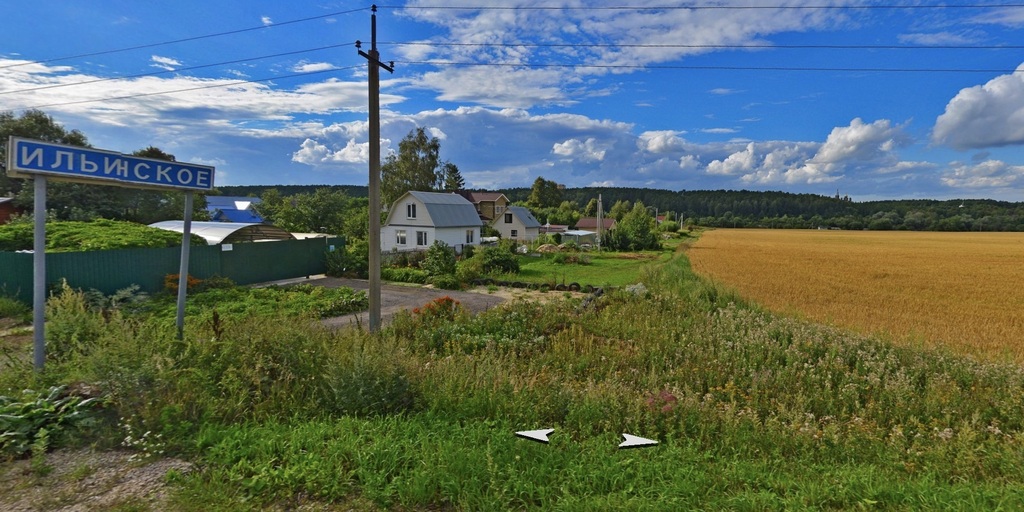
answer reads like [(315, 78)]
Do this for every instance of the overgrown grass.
[(14, 310), (753, 411)]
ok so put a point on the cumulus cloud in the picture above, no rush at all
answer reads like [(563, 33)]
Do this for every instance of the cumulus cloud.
[(661, 141), (856, 145), (316, 154), (741, 162), (984, 116), (587, 151), (991, 174)]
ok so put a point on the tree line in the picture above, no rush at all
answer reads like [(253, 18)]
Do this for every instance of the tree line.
[(342, 209)]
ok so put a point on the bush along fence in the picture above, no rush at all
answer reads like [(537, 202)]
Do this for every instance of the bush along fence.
[(109, 271)]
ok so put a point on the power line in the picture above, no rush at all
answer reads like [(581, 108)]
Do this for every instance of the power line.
[(182, 40), (713, 46), (176, 70), (724, 68), (189, 89), (693, 7)]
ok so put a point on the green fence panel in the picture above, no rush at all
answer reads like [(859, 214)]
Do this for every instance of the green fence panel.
[(16, 276), (110, 271), (260, 262)]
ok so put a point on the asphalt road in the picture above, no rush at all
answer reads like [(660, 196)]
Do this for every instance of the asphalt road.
[(395, 298)]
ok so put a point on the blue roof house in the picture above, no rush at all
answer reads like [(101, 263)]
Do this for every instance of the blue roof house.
[(233, 209)]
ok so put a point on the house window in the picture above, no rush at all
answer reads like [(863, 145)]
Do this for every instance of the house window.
[(515, 234), (508, 218), (469, 236), (410, 210), (421, 238), (400, 237)]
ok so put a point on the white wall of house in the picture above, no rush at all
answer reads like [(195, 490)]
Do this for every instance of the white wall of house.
[(392, 237), (410, 228), (512, 228)]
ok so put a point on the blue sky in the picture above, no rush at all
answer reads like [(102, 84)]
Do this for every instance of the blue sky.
[(877, 100)]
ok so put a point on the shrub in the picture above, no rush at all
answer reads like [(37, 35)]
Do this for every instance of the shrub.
[(404, 275), (499, 260), (440, 259), (13, 308), (445, 282), (72, 328), (171, 283), (469, 270), (351, 261)]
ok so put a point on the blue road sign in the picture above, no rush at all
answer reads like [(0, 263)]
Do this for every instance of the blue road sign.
[(27, 157)]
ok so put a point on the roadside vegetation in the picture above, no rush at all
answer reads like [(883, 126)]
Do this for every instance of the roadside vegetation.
[(753, 411)]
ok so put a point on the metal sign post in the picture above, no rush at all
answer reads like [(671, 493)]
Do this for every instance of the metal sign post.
[(39, 272)]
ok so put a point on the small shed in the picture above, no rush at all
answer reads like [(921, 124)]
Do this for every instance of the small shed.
[(228, 232)]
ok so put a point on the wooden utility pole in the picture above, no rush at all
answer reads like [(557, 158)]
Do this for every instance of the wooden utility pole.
[(373, 60)]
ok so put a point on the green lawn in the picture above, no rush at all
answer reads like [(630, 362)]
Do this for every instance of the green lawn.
[(603, 269)]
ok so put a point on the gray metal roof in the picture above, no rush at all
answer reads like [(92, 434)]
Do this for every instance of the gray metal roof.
[(448, 210), (524, 215), (227, 232)]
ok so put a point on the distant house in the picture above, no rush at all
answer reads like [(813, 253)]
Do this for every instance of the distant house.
[(590, 224), (417, 219), (6, 209), (233, 209), (550, 228), (517, 223), (489, 205)]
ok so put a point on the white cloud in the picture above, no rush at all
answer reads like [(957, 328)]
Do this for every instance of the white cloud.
[(852, 146), (587, 151), (938, 38), (984, 116), (719, 130), (497, 87), (741, 162), (622, 41), (266, 20), (663, 141), (310, 67), (991, 174), (166, 63), (1009, 16), (316, 154)]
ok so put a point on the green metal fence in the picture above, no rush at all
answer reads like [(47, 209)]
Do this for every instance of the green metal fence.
[(109, 271)]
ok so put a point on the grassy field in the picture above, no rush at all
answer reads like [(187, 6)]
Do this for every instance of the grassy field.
[(600, 269), (960, 291), (752, 410)]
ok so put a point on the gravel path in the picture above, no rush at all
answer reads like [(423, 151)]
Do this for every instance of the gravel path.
[(395, 298)]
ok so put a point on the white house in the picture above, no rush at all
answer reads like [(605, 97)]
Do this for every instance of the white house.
[(517, 223), (417, 219)]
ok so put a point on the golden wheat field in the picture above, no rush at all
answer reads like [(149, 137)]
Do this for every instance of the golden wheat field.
[(960, 291)]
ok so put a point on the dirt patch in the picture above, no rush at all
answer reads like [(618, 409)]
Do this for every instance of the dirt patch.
[(86, 480)]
